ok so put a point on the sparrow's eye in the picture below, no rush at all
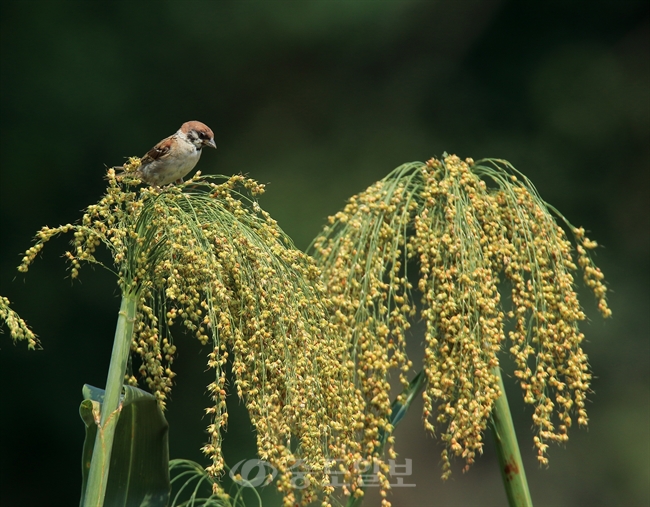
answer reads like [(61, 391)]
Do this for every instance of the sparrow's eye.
[(204, 135)]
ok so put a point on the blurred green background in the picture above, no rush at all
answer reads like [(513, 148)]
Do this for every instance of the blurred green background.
[(320, 99)]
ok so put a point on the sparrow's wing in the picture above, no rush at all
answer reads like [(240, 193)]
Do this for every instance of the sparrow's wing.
[(158, 151)]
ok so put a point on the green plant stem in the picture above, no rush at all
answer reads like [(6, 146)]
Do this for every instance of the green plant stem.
[(512, 468), (99, 465)]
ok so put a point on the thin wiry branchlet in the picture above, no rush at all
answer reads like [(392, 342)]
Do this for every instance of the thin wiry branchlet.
[(466, 238)]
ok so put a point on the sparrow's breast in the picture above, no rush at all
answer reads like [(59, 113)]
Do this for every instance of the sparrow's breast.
[(170, 168)]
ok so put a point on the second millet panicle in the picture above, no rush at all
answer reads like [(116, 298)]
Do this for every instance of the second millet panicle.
[(175, 156)]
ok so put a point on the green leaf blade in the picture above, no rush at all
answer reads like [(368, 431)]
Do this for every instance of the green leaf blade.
[(139, 465)]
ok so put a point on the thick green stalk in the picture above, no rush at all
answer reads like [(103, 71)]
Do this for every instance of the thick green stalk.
[(100, 463), (512, 468)]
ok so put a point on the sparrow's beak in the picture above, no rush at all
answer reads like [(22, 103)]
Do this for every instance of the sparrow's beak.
[(210, 143)]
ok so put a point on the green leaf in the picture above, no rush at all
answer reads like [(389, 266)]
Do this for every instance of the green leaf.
[(139, 465), (399, 407)]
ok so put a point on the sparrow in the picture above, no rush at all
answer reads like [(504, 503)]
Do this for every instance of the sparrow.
[(174, 157)]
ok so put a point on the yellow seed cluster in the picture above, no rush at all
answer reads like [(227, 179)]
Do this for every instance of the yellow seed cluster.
[(456, 242), (545, 343), (466, 238), (203, 256), (364, 261), (18, 329)]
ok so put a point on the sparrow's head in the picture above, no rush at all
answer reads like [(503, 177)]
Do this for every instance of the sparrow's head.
[(199, 134)]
